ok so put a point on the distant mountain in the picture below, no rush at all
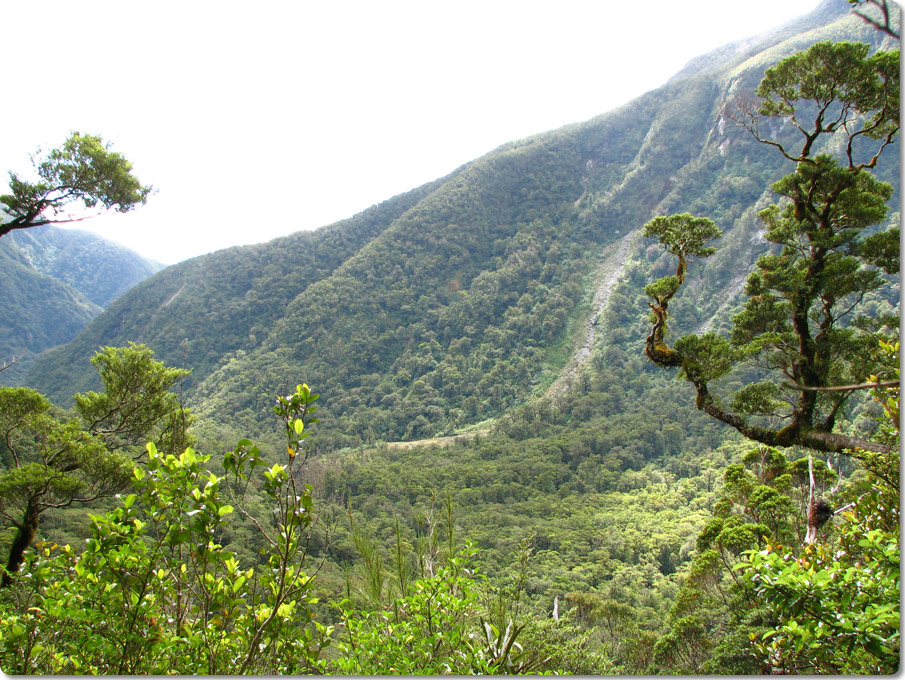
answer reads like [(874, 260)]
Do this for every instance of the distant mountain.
[(483, 290), (99, 269), (53, 282)]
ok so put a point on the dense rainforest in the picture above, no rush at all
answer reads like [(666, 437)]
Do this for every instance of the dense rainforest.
[(53, 282), (450, 434)]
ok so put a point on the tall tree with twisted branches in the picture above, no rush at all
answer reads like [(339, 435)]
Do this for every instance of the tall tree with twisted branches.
[(802, 324)]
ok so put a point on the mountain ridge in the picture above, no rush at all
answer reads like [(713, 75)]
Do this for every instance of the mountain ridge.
[(107, 269), (456, 301), (53, 282)]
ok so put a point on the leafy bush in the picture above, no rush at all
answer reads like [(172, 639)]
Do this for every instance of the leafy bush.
[(155, 592)]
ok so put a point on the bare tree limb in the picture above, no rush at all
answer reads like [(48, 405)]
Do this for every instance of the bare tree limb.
[(7, 364)]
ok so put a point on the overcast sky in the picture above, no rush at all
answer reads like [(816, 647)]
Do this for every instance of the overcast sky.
[(254, 120)]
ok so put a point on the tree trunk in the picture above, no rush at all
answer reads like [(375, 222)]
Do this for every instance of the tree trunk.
[(25, 534)]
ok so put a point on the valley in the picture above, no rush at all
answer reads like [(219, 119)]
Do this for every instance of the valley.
[(514, 420)]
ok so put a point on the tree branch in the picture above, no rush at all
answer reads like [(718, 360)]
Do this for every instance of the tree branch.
[(7, 364), (843, 388), (886, 25)]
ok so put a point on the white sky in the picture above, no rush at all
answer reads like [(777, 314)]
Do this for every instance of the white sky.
[(254, 120)]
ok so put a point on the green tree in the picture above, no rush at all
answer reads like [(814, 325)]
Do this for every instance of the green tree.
[(715, 610), (801, 326), (426, 631), (758, 601), (448, 620), (683, 236), (136, 404), (83, 170), (836, 604), (52, 462), (155, 592), (831, 89)]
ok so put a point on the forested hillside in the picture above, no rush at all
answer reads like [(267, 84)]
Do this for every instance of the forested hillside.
[(99, 269), (457, 301), (54, 281), (198, 311), (435, 437)]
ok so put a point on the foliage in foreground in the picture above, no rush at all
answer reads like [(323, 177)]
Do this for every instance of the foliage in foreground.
[(836, 604), (156, 592), (52, 462), (760, 598)]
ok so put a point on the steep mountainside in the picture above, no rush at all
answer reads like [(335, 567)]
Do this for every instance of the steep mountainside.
[(99, 269), (39, 311), (200, 310), (53, 282), (455, 302)]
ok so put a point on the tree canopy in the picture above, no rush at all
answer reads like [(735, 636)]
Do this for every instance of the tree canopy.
[(51, 462), (83, 169), (830, 89), (801, 326)]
